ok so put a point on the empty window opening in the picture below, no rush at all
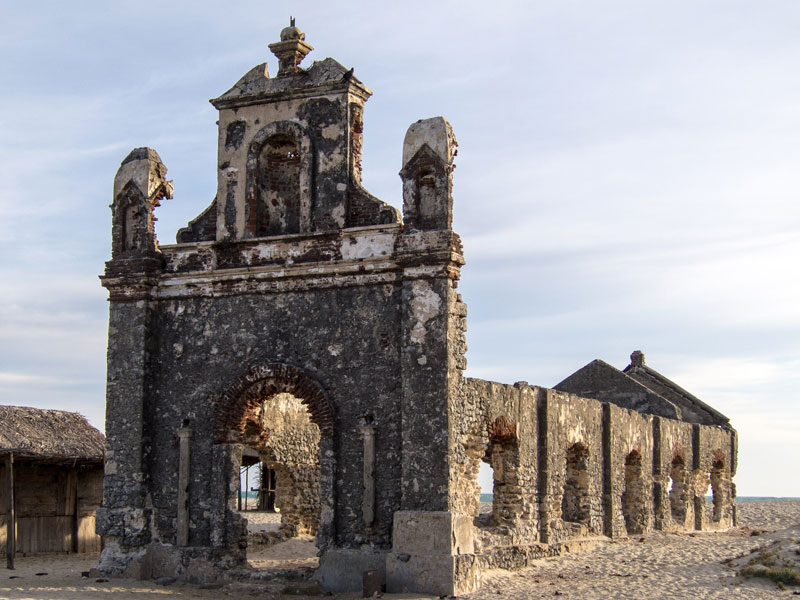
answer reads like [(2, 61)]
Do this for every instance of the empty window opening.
[(633, 497), (576, 499), (485, 515), (678, 491), (249, 475), (256, 484), (486, 481)]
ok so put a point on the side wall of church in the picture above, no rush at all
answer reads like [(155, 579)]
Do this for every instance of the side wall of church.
[(581, 468)]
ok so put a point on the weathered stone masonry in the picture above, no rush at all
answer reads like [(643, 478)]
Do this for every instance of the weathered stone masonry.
[(295, 280)]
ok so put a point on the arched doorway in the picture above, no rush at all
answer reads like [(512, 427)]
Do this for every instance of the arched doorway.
[(282, 415)]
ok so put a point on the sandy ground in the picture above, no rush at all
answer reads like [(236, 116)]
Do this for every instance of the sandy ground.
[(663, 566), (262, 521)]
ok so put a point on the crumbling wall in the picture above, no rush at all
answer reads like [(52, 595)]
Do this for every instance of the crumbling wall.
[(713, 469), (292, 450), (567, 467), (629, 482), (506, 438), (571, 421), (257, 333), (673, 480)]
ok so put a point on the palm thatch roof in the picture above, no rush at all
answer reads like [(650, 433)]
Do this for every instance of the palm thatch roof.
[(49, 435)]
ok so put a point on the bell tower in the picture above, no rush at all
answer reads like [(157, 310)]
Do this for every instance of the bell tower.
[(289, 152)]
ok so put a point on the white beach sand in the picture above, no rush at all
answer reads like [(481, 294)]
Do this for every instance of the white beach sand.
[(663, 566)]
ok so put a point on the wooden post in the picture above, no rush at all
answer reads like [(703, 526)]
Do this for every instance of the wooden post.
[(11, 523), (246, 485), (73, 485), (239, 492)]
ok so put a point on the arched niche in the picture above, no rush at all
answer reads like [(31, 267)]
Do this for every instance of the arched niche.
[(278, 186)]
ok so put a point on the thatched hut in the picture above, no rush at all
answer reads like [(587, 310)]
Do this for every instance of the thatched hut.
[(51, 481)]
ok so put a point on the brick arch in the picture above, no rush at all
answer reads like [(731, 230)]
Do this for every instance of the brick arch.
[(502, 430), (678, 453), (233, 408)]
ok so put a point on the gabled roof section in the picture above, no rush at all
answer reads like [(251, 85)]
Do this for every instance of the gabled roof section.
[(49, 435), (640, 388), (257, 86), (694, 409), (601, 381)]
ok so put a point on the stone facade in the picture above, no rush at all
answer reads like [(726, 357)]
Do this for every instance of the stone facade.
[(296, 286)]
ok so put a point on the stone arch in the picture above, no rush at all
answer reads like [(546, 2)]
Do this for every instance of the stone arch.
[(279, 165), (576, 498), (234, 414), (634, 509), (679, 488), (234, 407)]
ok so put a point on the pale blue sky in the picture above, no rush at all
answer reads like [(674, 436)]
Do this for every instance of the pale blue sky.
[(627, 179)]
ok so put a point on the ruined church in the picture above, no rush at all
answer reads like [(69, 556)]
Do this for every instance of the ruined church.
[(296, 292)]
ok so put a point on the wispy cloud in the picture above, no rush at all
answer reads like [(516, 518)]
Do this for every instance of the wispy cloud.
[(627, 177)]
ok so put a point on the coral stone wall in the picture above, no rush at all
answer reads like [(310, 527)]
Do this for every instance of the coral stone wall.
[(714, 467), (196, 364), (572, 421), (292, 450), (567, 467), (675, 486), (630, 479)]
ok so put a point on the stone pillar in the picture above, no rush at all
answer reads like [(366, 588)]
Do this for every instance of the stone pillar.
[(433, 553), (699, 480), (432, 547), (608, 473), (131, 278), (368, 501), (124, 519), (185, 436), (424, 413), (430, 253), (662, 512), (545, 496)]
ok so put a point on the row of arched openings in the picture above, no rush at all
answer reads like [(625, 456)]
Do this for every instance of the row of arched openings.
[(577, 495)]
